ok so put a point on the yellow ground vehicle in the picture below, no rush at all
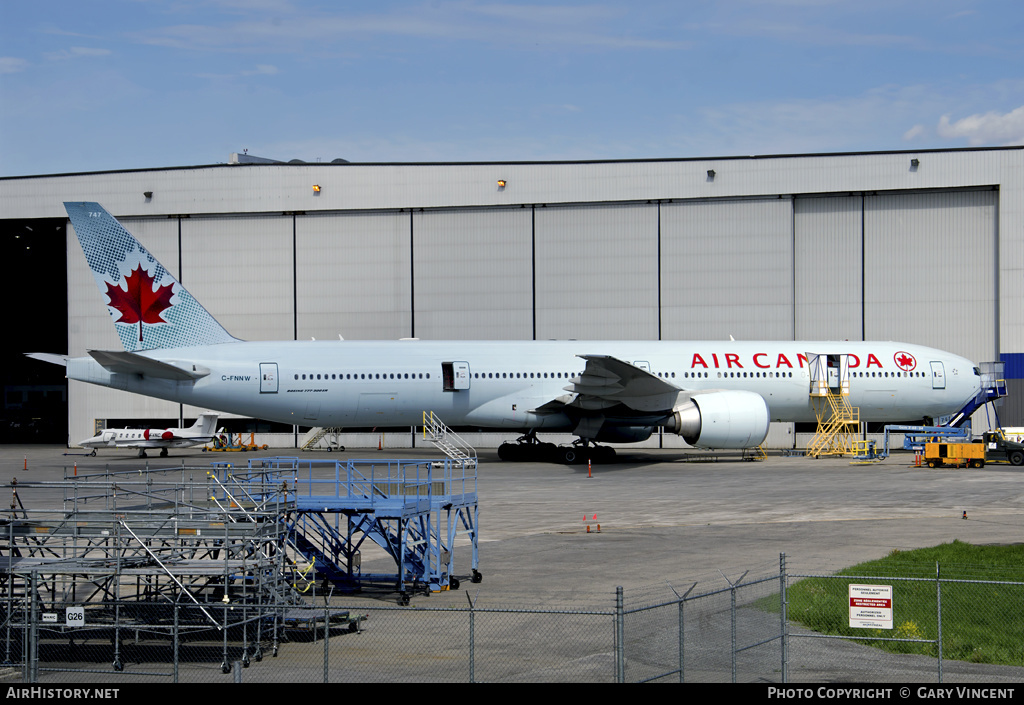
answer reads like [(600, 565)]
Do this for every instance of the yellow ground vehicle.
[(957, 454), (993, 446)]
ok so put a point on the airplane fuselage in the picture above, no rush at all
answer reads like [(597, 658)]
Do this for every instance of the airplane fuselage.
[(502, 384)]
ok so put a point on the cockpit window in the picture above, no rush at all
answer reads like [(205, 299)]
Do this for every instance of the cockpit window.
[(977, 372)]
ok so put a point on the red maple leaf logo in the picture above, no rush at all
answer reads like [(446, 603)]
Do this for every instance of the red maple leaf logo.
[(905, 361), (140, 302)]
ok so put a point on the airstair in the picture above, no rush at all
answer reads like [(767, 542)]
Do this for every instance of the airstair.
[(838, 425), (447, 441), (838, 422), (311, 441), (993, 388)]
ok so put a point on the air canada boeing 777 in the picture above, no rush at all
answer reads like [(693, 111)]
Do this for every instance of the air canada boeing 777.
[(714, 394)]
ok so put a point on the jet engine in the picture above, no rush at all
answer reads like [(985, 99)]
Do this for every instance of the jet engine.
[(727, 419)]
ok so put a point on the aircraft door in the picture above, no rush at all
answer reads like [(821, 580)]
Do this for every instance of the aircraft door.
[(455, 376), (938, 375), (268, 378), (833, 373)]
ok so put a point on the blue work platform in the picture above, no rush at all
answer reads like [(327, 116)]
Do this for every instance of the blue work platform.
[(412, 509)]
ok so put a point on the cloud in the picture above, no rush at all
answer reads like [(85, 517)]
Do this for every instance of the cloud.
[(12, 64), (292, 31), (259, 70), (990, 128), (75, 53), (914, 132), (262, 70)]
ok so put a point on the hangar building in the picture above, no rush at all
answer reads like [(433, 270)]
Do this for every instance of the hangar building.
[(923, 247)]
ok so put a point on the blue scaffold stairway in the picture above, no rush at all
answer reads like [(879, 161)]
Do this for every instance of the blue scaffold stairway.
[(412, 509), (993, 388), (955, 427)]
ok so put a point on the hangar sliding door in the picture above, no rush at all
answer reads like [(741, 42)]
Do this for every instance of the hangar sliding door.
[(828, 268), (255, 302), (597, 272), (930, 259), (727, 269), (472, 274), (352, 276)]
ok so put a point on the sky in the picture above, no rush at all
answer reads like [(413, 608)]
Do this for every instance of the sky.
[(126, 84)]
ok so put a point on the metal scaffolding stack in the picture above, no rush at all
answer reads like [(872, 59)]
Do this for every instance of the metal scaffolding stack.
[(156, 555), (410, 509)]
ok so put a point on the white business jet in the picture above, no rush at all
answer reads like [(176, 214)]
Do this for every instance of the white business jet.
[(202, 431)]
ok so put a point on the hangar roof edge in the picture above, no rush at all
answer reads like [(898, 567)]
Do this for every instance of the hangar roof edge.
[(656, 160)]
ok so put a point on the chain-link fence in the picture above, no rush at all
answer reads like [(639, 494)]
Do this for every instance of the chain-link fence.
[(772, 627)]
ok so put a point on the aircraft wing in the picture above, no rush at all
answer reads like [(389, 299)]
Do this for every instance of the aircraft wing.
[(607, 381), (173, 442), (139, 443)]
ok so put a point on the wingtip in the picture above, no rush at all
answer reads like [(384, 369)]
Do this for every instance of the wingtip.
[(52, 358)]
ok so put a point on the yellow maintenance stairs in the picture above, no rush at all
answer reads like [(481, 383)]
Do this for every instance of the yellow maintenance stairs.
[(838, 422)]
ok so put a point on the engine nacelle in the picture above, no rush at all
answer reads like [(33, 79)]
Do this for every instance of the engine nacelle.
[(624, 434), (728, 419)]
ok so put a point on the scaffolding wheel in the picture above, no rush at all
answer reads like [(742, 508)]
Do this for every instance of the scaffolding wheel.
[(453, 583), (403, 598), (118, 666), (225, 668), (275, 652), (245, 660), (258, 654), (477, 577)]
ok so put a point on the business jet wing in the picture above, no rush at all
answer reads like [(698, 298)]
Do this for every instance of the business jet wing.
[(173, 441), (607, 382)]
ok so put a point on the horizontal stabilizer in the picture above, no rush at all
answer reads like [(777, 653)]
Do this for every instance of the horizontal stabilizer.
[(134, 364), (52, 358)]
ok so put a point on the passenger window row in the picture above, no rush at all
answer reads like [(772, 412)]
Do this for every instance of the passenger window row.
[(568, 375), (524, 375), (756, 374), (366, 375)]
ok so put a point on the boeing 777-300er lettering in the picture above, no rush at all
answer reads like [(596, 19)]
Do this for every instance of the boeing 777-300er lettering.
[(714, 394), (202, 431)]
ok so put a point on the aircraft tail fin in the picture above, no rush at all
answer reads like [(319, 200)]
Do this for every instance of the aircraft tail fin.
[(206, 424), (150, 308)]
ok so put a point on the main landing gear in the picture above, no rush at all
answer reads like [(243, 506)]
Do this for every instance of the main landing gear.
[(582, 451), (527, 449)]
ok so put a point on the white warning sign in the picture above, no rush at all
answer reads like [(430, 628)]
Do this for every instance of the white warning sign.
[(871, 606)]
